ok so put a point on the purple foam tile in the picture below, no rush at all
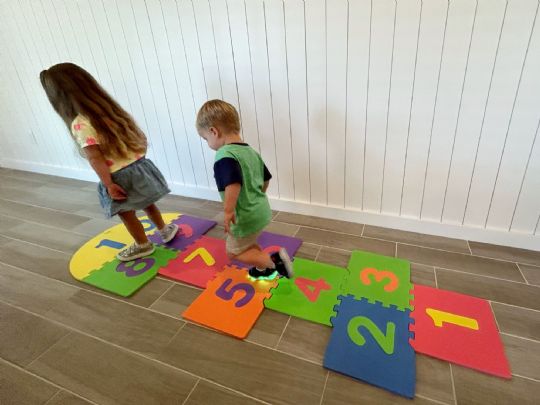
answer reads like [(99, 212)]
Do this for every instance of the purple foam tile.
[(268, 240), (191, 229)]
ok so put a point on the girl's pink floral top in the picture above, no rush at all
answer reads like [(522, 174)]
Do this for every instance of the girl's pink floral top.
[(85, 135)]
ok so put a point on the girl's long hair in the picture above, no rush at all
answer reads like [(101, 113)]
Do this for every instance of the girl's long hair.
[(73, 91)]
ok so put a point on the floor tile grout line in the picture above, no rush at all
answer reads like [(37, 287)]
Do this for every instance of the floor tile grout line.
[(205, 202), (282, 333), (436, 281), (435, 401), (324, 387), (36, 244), (453, 383), (48, 349), (483, 275), (515, 306), (177, 332), (518, 337), (126, 350), (161, 296), (191, 392), (54, 395), (526, 378), (60, 388), (522, 275), (318, 253), (92, 292), (469, 247), (494, 316), (86, 235), (42, 207)]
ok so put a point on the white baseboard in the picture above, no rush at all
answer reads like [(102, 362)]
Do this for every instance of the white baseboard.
[(498, 237)]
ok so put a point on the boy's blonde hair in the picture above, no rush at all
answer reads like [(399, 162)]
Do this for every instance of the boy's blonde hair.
[(218, 114)]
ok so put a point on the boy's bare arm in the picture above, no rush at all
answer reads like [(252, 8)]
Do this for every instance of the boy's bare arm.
[(265, 186), (232, 191)]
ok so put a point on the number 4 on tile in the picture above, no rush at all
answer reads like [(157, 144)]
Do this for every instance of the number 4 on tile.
[(311, 288)]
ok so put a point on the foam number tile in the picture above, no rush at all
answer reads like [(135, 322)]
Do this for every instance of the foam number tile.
[(370, 342), (379, 278), (190, 229), (311, 294), (231, 303), (104, 247), (199, 263), (124, 278), (272, 242), (458, 328)]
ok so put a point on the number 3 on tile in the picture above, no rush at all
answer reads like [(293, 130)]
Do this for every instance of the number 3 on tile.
[(384, 340), (380, 275), (311, 288), (227, 295)]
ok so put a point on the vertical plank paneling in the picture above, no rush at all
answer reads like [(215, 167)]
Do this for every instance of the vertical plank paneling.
[(279, 88), (403, 79), (258, 51), (527, 212), (489, 22), (430, 48), (317, 93), (520, 139), (380, 79), (295, 36), (423, 110), (359, 24), (242, 61), (336, 110), (183, 88), (154, 71), (461, 16), (140, 66), (224, 51), (512, 50)]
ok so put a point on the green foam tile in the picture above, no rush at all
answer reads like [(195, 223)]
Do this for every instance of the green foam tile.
[(379, 278), (124, 278), (311, 294)]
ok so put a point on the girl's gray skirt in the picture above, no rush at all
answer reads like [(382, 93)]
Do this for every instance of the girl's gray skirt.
[(143, 183)]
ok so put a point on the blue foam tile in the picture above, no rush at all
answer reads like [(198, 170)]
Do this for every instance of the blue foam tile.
[(371, 343)]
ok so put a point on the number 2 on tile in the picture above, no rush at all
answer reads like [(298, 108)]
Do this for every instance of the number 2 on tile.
[(384, 340)]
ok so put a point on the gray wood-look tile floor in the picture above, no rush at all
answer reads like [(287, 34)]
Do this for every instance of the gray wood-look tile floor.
[(63, 342)]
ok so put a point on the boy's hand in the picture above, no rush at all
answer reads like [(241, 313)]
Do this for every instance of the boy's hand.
[(229, 217), (116, 192)]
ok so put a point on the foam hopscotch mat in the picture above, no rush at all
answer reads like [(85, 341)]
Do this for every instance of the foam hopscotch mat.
[(125, 278), (190, 229), (370, 342), (199, 263), (379, 278), (231, 303), (458, 328), (311, 294), (95, 262), (272, 242)]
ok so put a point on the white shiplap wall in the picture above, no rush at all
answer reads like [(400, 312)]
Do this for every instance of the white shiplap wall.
[(419, 115)]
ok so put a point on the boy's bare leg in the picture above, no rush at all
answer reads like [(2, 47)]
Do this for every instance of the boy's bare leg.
[(155, 216), (134, 226), (255, 257)]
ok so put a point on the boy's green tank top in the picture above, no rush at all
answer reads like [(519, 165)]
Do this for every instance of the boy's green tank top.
[(253, 211)]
